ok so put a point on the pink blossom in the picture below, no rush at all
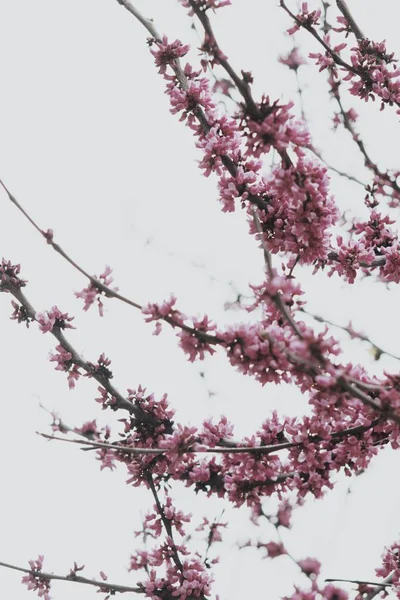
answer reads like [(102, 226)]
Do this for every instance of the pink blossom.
[(223, 139), (52, 318), (307, 19), (88, 429), (36, 582), (164, 311), (310, 566), (195, 342), (107, 459), (284, 514), (391, 269), (371, 76), (175, 517), (274, 549), (299, 216), (21, 314), (93, 292), (293, 60), (167, 53), (345, 26), (9, 276), (65, 362), (100, 369), (391, 566), (213, 528), (213, 434), (105, 398), (276, 286), (275, 128), (350, 256), (324, 61)]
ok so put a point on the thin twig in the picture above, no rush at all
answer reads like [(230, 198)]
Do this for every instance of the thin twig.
[(104, 585), (378, 350), (359, 582), (167, 525)]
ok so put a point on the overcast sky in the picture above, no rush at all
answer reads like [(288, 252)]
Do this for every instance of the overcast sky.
[(88, 146)]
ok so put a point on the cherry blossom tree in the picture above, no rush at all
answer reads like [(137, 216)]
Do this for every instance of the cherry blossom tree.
[(260, 154)]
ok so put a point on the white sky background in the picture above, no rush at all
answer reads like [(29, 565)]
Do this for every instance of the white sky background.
[(90, 149)]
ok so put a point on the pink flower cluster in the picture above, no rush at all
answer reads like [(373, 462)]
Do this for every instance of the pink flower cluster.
[(153, 521), (326, 60), (106, 399), (305, 19), (369, 71), (65, 362), (273, 127), (375, 240), (350, 115), (101, 368), (167, 53), (391, 567), (371, 75), (9, 276), (35, 582), (294, 215), (275, 286), (21, 314), (93, 292), (213, 530), (385, 185), (274, 549), (292, 189), (193, 581), (268, 350), (318, 592), (340, 435), (165, 311), (300, 211), (171, 571), (293, 60), (54, 318), (349, 259)]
